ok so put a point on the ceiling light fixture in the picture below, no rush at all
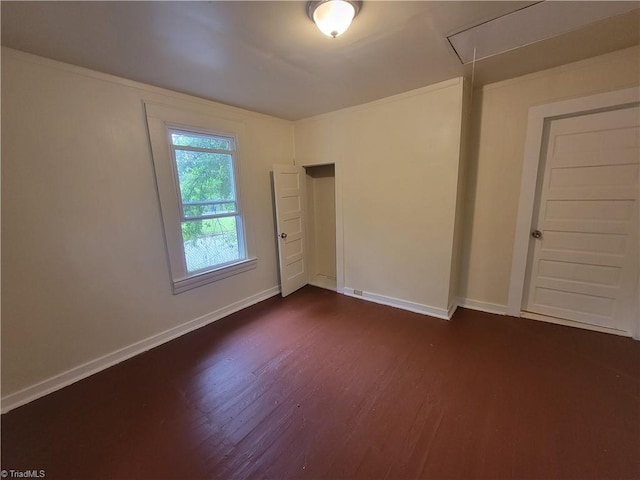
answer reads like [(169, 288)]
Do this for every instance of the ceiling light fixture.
[(333, 17)]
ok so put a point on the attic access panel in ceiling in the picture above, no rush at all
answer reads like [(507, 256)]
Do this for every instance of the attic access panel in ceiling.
[(530, 25)]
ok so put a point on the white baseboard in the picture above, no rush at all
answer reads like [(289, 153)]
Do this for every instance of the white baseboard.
[(482, 306), (403, 304), (571, 323), (75, 374), (503, 310)]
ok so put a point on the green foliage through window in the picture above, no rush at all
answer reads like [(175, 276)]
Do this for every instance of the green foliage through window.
[(211, 223)]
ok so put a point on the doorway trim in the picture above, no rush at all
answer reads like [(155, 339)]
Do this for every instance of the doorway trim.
[(539, 117), (339, 218)]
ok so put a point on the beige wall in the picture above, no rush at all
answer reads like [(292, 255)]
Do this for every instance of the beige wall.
[(499, 121), (84, 269), (456, 260), (398, 164)]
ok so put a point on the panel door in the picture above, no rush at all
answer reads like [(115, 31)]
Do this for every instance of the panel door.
[(584, 263), (289, 183)]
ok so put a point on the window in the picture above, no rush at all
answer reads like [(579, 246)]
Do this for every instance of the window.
[(211, 224), (196, 167)]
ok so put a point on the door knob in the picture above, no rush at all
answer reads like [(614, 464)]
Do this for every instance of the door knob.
[(536, 234), (283, 235)]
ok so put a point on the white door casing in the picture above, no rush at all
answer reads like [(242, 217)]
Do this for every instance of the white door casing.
[(539, 116), (584, 266), (289, 184)]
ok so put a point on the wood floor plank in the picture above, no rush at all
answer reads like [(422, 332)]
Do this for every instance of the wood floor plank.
[(320, 385)]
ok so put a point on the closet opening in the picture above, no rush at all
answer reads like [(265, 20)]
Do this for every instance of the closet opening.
[(321, 225)]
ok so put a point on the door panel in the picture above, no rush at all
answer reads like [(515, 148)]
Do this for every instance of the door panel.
[(289, 184), (584, 267)]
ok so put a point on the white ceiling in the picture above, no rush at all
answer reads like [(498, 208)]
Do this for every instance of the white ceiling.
[(269, 57)]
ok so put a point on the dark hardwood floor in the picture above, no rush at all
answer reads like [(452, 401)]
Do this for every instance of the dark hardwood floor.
[(320, 385)]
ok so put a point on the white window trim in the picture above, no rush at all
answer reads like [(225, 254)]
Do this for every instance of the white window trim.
[(209, 276), (161, 119)]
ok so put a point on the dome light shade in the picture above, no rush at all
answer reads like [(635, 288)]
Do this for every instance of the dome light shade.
[(333, 17)]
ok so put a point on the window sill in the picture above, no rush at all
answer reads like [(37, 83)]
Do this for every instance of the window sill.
[(211, 276)]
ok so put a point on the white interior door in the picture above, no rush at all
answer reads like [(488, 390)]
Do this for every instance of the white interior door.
[(289, 183), (584, 265)]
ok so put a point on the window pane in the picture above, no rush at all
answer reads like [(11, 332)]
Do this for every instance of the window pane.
[(210, 242), (201, 141), (204, 177), (200, 210)]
